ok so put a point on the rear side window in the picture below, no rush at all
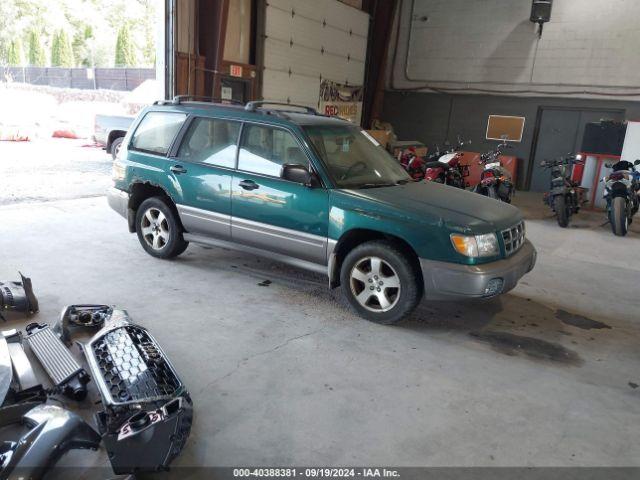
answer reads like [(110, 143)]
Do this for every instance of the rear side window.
[(212, 141), (156, 132), (264, 150)]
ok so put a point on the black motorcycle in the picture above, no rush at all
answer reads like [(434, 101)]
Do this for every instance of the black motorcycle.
[(621, 192), (564, 196), (495, 180)]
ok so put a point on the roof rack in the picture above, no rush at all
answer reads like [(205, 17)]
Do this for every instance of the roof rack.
[(253, 106), (178, 99)]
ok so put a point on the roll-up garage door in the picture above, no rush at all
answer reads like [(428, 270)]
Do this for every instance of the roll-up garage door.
[(310, 40)]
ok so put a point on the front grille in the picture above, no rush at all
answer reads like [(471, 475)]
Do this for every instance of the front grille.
[(133, 367), (513, 238)]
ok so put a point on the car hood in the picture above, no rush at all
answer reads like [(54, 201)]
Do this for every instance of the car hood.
[(453, 206)]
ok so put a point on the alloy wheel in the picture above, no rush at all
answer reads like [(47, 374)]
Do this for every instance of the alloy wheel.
[(375, 284), (155, 228)]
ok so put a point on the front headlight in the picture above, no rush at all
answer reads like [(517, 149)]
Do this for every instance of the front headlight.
[(476, 245)]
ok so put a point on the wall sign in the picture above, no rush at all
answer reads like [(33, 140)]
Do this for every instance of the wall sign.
[(505, 127), (338, 100)]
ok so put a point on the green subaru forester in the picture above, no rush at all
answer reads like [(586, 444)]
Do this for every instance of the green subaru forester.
[(315, 192)]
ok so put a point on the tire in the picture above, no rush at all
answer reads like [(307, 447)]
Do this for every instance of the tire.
[(618, 216), (159, 230), (562, 214), (363, 275), (115, 147)]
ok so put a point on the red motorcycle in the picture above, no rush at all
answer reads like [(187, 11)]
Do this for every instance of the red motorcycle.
[(448, 168), (413, 164)]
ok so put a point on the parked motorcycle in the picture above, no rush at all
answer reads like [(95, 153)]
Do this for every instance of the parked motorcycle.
[(448, 168), (564, 196), (621, 192), (413, 164), (495, 180)]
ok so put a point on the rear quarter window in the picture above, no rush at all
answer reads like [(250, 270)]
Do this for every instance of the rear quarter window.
[(156, 132)]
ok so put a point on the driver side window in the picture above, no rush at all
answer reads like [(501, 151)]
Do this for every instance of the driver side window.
[(264, 150)]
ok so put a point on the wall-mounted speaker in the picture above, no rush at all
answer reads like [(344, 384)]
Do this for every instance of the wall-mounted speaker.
[(540, 11)]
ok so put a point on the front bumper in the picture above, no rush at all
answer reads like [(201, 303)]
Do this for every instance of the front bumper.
[(451, 281), (118, 200)]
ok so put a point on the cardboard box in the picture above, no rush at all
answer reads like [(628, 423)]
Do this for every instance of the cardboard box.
[(381, 136)]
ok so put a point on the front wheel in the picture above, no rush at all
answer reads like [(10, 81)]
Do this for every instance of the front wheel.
[(159, 230), (562, 213), (618, 216), (380, 282)]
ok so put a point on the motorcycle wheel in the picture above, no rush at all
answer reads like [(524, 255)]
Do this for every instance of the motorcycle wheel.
[(562, 214), (618, 217)]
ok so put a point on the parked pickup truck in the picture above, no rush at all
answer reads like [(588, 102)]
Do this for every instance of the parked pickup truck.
[(315, 192), (109, 131)]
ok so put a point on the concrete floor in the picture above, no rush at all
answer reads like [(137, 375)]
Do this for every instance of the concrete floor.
[(285, 374)]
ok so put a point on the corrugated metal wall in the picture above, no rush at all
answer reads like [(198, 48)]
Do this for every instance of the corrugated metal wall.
[(307, 40)]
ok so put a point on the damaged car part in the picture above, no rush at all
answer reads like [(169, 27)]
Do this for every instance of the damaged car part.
[(80, 316), (54, 431), (17, 297), (147, 410), (25, 384), (65, 372)]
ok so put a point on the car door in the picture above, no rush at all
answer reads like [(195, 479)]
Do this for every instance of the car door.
[(269, 212), (203, 169)]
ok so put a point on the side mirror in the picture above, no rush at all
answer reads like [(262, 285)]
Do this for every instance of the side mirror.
[(637, 162), (296, 173)]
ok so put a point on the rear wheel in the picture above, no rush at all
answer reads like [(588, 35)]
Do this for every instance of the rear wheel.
[(618, 216), (380, 282), (159, 230), (562, 214)]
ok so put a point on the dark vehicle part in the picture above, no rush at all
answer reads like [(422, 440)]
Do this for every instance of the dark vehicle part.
[(65, 372), (148, 440), (621, 192), (147, 410), (80, 316), (18, 296), (565, 196), (54, 431), (6, 373)]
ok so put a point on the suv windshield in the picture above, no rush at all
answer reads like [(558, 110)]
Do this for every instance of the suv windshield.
[(353, 159)]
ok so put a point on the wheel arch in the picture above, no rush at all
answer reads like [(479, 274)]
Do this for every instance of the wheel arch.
[(357, 236), (139, 192), (113, 134)]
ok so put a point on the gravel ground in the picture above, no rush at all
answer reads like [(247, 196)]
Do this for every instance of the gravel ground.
[(52, 169)]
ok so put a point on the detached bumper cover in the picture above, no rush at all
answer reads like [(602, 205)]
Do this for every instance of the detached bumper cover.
[(118, 200), (450, 281), (147, 410)]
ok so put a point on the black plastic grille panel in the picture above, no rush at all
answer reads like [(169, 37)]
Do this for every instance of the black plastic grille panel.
[(132, 366), (513, 238)]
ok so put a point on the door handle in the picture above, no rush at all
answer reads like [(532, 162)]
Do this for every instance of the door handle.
[(249, 184), (178, 169)]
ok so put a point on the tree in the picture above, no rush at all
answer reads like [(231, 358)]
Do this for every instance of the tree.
[(14, 54), (125, 52), (61, 50), (36, 52)]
